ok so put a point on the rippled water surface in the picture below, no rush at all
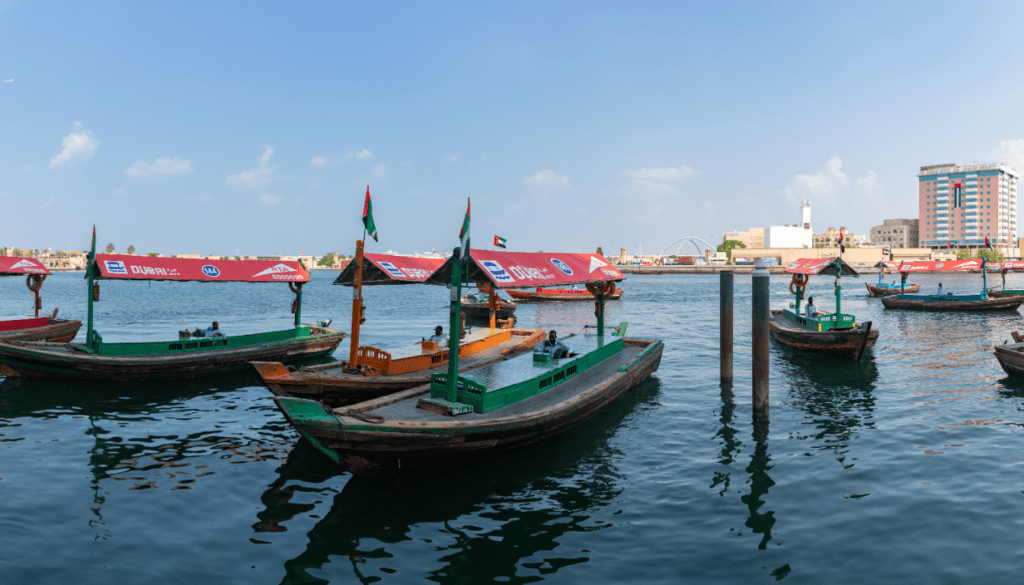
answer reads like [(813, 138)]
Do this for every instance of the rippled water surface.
[(906, 467)]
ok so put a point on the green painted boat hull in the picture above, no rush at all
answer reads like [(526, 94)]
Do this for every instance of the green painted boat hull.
[(65, 361)]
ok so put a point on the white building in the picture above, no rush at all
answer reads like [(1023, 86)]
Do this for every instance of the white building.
[(792, 236)]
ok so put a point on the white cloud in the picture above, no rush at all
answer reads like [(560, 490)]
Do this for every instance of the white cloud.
[(656, 181), (162, 166), (77, 145), (323, 161), (46, 205), (257, 177), (380, 171), (827, 183), (1011, 154), (268, 200), (119, 191), (452, 159), (8, 80), (548, 179)]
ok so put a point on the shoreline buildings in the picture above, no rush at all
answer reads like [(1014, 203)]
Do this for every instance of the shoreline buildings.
[(792, 236), (896, 233), (961, 205)]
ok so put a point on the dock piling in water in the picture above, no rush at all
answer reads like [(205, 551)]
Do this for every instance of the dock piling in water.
[(725, 324), (759, 343)]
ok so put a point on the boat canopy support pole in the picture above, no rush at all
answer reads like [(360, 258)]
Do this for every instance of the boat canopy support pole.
[(454, 326), (839, 291), (89, 270), (493, 302), (357, 306), (298, 304), (600, 314), (984, 277)]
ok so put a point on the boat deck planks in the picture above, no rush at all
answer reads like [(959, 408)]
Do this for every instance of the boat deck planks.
[(406, 410)]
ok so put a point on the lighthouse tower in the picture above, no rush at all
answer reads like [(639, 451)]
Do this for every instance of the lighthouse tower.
[(805, 215)]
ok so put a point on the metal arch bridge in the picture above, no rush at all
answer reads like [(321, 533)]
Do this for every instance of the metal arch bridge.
[(688, 240)]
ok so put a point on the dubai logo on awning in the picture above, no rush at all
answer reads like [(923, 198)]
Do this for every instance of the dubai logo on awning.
[(498, 273), (116, 267), (596, 263), (392, 270), (211, 271), (24, 264), (277, 269)]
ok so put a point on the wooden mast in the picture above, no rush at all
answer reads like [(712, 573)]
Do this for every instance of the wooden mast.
[(493, 302), (357, 306)]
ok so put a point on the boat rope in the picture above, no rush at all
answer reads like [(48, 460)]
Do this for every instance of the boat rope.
[(368, 418)]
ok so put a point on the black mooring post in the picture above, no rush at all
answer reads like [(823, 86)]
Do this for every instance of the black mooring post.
[(725, 323), (759, 342)]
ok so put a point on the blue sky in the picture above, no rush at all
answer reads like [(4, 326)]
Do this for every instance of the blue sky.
[(214, 127)]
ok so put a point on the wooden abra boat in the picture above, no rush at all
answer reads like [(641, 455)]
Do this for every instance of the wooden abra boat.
[(505, 404), (187, 357), (1011, 355), (837, 333), (883, 289), (1003, 292), (950, 301), (371, 372), (38, 328), (558, 294), (474, 308), (534, 402)]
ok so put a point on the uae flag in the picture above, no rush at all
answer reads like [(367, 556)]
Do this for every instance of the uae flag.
[(371, 228), (842, 246), (958, 195), (987, 244), (464, 234), (499, 242)]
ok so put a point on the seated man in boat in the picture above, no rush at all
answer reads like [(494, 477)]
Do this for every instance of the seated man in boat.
[(439, 337), (556, 348), (214, 330), (810, 311), (940, 290)]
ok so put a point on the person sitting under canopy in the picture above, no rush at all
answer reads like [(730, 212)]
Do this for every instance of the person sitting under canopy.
[(810, 311), (214, 330), (438, 337), (556, 348)]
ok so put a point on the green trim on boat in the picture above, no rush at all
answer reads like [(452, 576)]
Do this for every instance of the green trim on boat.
[(194, 344)]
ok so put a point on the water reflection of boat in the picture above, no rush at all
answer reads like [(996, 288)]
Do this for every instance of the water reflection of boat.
[(532, 499)]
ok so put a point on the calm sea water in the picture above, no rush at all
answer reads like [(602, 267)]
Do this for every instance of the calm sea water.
[(908, 466)]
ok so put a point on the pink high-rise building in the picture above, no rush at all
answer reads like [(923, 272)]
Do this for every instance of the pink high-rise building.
[(987, 206)]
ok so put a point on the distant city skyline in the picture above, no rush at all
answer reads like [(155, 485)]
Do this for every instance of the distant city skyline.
[(216, 127)]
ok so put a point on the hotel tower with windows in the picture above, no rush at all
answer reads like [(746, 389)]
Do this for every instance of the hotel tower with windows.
[(988, 206)]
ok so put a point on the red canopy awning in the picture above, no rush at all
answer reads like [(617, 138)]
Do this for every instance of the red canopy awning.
[(531, 269), (15, 266), (125, 267), (1013, 265), (818, 265), (390, 269), (940, 265)]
